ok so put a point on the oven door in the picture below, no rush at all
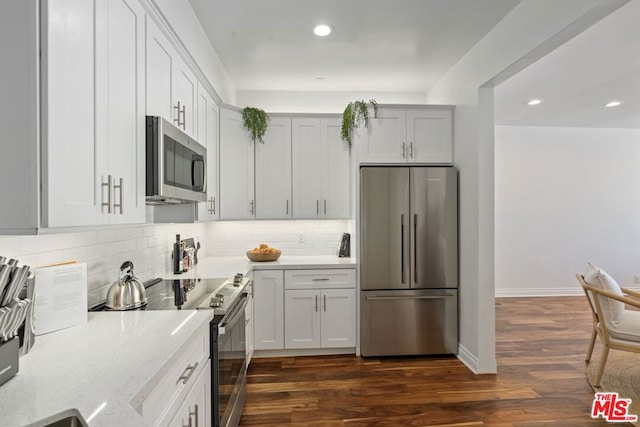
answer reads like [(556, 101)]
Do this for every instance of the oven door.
[(230, 382)]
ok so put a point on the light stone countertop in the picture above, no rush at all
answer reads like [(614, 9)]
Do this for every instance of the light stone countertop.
[(105, 363), (224, 267)]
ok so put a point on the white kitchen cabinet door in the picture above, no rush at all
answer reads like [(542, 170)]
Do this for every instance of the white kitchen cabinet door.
[(159, 73), (268, 310), (73, 163), (273, 171), (336, 177), (120, 94), (307, 167), (196, 408), (385, 140), (302, 315), (185, 101), (429, 136), (208, 136), (236, 168), (338, 319)]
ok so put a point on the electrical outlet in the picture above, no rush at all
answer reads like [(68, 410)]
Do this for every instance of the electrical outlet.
[(636, 278), (300, 238)]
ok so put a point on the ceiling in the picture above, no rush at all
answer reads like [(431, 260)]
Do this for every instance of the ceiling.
[(376, 45), (577, 79)]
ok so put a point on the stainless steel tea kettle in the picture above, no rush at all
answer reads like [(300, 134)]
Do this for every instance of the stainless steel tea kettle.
[(128, 292)]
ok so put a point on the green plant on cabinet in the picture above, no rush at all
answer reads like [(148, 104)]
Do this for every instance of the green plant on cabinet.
[(355, 114), (255, 122)]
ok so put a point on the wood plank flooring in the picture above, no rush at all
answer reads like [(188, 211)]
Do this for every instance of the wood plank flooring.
[(540, 345)]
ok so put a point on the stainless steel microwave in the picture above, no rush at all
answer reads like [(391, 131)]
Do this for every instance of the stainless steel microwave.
[(176, 170)]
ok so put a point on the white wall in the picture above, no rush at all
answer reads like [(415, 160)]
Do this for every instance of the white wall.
[(319, 102), (525, 33), (565, 197), (300, 237)]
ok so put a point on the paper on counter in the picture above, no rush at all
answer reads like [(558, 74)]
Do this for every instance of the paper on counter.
[(61, 297)]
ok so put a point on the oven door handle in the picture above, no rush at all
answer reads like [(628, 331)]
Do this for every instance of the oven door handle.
[(233, 316)]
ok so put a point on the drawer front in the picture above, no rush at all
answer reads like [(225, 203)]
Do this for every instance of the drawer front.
[(161, 404), (342, 278)]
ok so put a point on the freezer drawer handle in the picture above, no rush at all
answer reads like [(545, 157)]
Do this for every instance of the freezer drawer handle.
[(415, 248), (443, 296)]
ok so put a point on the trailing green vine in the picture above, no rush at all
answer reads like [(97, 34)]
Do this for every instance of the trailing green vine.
[(356, 113), (255, 122)]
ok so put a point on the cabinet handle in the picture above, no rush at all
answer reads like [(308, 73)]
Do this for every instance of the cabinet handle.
[(251, 207), (177, 119), (185, 376), (194, 414), (415, 248), (210, 209), (287, 207), (316, 303), (108, 185), (188, 423), (325, 206), (317, 207), (320, 279), (325, 303), (214, 205), (184, 118), (404, 150), (411, 150), (119, 187)]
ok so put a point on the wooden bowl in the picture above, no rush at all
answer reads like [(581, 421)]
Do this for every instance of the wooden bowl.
[(263, 257)]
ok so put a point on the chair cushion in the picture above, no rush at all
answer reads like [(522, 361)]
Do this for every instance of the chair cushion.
[(612, 310), (628, 328)]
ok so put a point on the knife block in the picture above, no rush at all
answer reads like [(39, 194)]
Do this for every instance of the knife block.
[(9, 357)]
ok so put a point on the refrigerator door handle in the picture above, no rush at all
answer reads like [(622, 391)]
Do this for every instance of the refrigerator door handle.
[(415, 248), (443, 296), (402, 249)]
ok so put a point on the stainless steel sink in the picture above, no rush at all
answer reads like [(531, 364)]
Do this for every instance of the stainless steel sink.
[(70, 418)]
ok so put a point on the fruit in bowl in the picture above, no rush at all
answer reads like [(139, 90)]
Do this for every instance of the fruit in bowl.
[(263, 253)]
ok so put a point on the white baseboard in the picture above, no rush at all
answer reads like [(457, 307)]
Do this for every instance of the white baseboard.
[(303, 352), (468, 359), (539, 292)]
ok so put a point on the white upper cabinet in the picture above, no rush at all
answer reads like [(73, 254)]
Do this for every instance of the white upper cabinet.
[(321, 169), (120, 118), (273, 171), (412, 135), (236, 168), (208, 136), (71, 195), (336, 181), (172, 87)]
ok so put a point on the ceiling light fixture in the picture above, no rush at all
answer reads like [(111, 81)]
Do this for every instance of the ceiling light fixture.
[(322, 30), (533, 102), (613, 103)]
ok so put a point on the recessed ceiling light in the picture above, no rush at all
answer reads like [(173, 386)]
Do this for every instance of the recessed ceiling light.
[(533, 102), (322, 30), (613, 104)]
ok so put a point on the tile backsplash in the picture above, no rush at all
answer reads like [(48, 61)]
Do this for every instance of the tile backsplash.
[(104, 250), (149, 246), (296, 237)]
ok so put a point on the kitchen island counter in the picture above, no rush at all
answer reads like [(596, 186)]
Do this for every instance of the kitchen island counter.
[(99, 369)]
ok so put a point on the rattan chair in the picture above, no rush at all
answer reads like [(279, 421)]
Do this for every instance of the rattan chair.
[(613, 335)]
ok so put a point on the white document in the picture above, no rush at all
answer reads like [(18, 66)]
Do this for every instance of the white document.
[(60, 297)]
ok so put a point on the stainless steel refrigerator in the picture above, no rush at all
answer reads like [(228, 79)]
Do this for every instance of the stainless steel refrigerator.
[(409, 255)]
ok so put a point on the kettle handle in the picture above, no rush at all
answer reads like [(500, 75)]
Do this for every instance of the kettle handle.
[(126, 264)]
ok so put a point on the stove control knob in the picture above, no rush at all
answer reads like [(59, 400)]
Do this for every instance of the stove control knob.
[(216, 302)]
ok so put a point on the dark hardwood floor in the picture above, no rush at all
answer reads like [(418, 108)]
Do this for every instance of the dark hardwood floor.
[(541, 345)]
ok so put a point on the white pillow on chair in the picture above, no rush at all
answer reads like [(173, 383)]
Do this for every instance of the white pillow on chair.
[(613, 310), (628, 328)]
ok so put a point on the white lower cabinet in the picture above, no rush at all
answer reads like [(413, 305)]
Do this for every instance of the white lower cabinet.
[(324, 318), (196, 409), (304, 309), (268, 310), (183, 385), (249, 325)]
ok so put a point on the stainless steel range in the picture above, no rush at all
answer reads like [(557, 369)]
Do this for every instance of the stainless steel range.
[(228, 299)]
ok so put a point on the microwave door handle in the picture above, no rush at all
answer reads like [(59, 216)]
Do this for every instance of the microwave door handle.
[(198, 159)]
